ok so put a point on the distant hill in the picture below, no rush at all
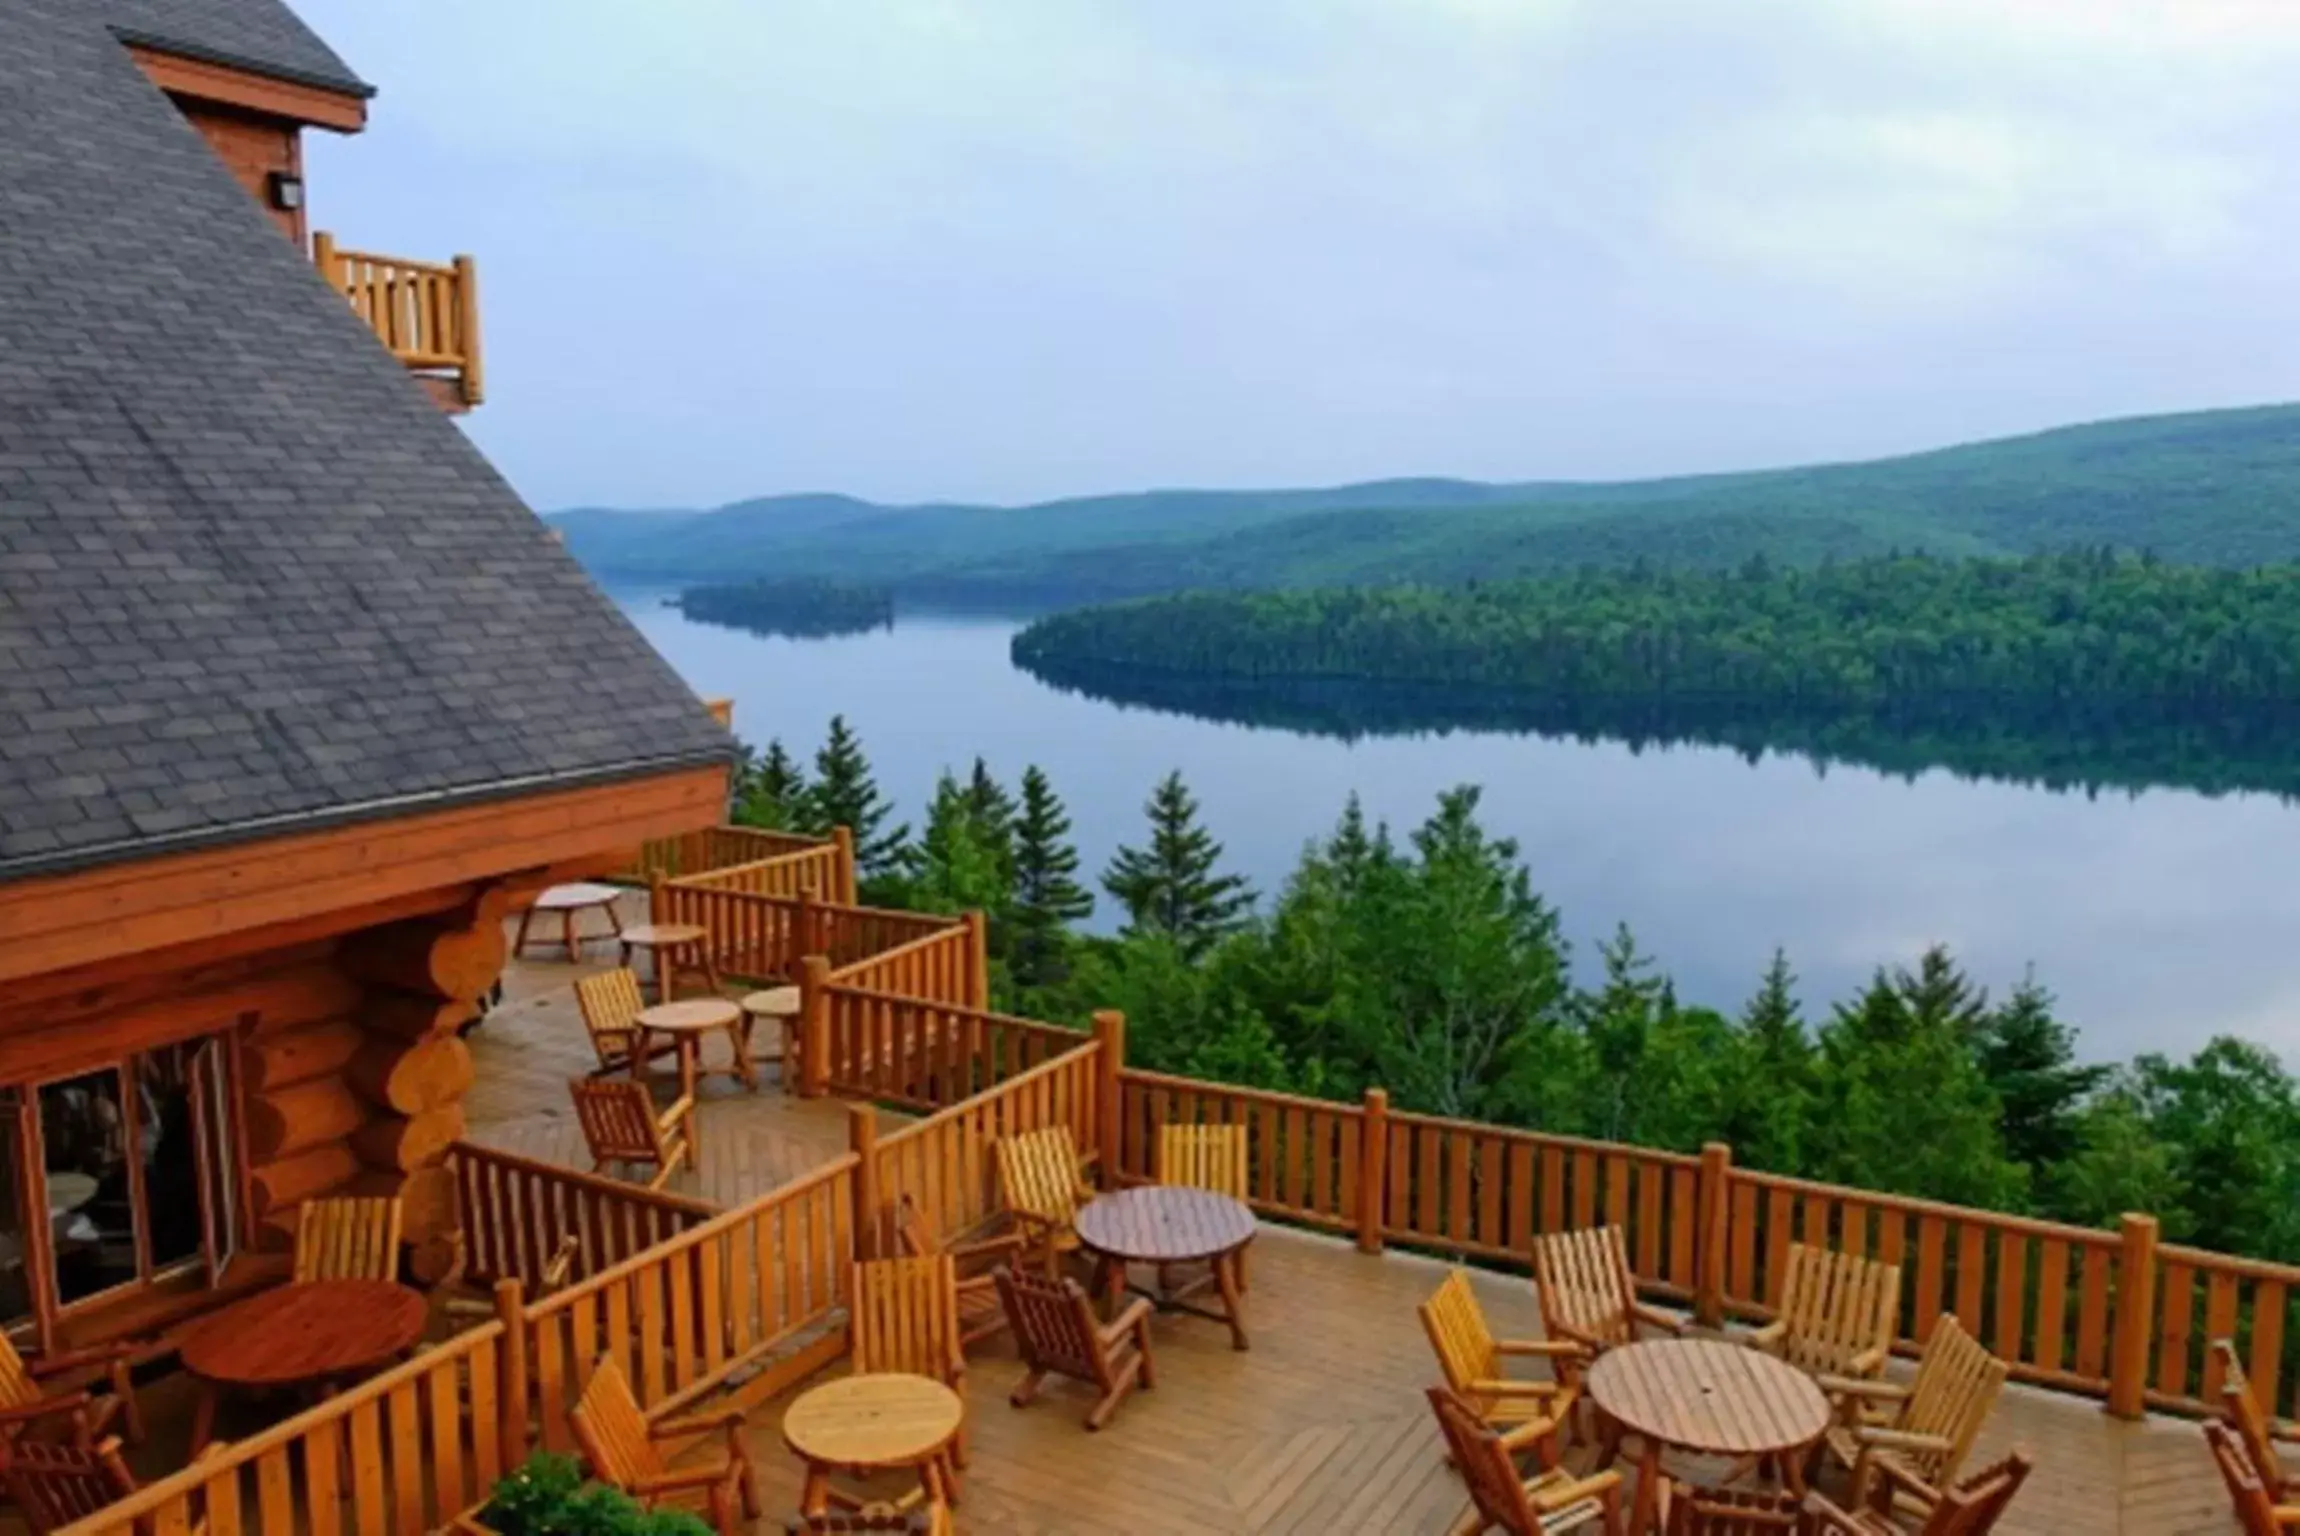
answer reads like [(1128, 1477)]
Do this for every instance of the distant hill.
[(2211, 487)]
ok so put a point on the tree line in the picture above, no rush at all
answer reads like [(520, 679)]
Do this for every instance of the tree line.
[(801, 607), (1431, 965)]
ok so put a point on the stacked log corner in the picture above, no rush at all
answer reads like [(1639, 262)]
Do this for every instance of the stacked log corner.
[(368, 1101)]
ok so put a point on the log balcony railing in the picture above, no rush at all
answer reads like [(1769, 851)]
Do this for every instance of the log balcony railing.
[(425, 314)]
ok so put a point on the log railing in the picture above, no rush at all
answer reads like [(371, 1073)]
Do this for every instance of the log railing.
[(404, 1452), (918, 1054), (1306, 1157), (425, 314), (515, 1212), (815, 870), (2201, 1296), (710, 849)]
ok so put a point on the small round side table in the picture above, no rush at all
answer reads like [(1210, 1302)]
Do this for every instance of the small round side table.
[(566, 901), (881, 1421), (778, 1008), (675, 947)]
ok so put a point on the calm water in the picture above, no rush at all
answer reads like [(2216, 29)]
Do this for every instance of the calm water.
[(2160, 919)]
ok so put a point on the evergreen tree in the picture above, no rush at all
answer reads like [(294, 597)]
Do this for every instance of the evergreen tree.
[(1047, 897), (845, 795), (992, 809), (770, 790), (1766, 1091), (1173, 887), (2029, 1059), (955, 866)]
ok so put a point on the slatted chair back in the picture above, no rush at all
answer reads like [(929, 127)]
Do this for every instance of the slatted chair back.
[(1732, 1512), (1973, 1506), (1586, 1290), (1054, 1324), (1204, 1157), (2248, 1496), (612, 1430), (619, 1121), (610, 1004), (2247, 1419), (348, 1238), (1838, 1312), (1956, 1385), (1459, 1333), (904, 1317), (17, 1388), (57, 1484), (1496, 1488), (1038, 1174)]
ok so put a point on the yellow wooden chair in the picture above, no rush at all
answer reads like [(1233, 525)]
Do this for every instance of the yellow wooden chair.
[(1835, 1314), (1475, 1363), (2256, 1509), (1043, 1184), (1206, 1157), (621, 1125), (1501, 1498), (2254, 1427), (610, 1004), (1971, 1508), (626, 1451), (980, 1313), (348, 1238), (903, 1316), (58, 1385), (1587, 1293), (1908, 1441)]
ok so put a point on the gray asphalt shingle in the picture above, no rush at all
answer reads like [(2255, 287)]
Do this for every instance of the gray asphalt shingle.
[(249, 575)]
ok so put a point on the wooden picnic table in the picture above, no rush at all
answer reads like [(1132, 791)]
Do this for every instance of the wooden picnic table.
[(305, 1334), (674, 947), (876, 1422), (1168, 1224), (566, 901), (1709, 1398)]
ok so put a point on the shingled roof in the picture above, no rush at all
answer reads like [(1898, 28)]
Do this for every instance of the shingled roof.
[(262, 35), (251, 579)]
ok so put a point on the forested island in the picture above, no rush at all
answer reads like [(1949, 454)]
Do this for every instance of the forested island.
[(802, 607)]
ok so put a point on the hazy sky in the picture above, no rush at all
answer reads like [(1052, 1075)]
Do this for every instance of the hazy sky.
[(1009, 249)]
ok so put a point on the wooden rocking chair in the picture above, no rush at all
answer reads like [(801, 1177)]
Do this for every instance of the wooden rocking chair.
[(610, 1004), (627, 1452), (1909, 1441), (1043, 1184), (2257, 1511), (1835, 1314), (1501, 1499), (1527, 1413), (2254, 1428), (29, 1391), (980, 1313), (1587, 1293), (1205, 1157), (348, 1238), (621, 1125), (1058, 1335), (1971, 1508), (904, 1317)]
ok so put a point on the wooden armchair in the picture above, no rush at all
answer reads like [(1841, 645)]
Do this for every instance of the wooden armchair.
[(903, 1316), (1685, 1510), (1043, 1184), (610, 1003), (627, 1452), (348, 1238), (1908, 1441), (1971, 1508), (1475, 1364), (1058, 1335), (2255, 1428), (2257, 1511), (58, 1385), (1501, 1499), (980, 1312), (1206, 1157), (621, 1125), (1835, 1314), (57, 1484), (1587, 1293)]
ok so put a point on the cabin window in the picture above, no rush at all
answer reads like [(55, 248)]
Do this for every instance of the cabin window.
[(135, 1163)]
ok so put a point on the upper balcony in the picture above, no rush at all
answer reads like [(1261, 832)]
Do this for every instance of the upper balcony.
[(425, 314)]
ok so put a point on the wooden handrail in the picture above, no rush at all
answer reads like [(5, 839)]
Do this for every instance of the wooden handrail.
[(425, 313)]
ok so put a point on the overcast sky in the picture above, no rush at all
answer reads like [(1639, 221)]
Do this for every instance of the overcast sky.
[(1013, 249)]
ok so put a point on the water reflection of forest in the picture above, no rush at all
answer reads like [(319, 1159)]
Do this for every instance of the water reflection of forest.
[(2088, 744)]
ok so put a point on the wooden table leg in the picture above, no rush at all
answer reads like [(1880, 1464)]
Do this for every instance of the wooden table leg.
[(739, 1037), (614, 923), (567, 934), (204, 1417), (640, 1046), (1792, 1473), (815, 1498), (940, 1476), (1644, 1512), (519, 945), (1233, 1302)]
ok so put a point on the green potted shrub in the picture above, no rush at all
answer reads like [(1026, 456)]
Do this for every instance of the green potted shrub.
[(547, 1495)]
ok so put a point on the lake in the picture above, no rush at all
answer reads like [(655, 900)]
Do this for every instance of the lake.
[(2159, 918)]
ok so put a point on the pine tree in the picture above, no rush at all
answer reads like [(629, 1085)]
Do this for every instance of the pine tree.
[(771, 790), (1172, 887), (2029, 1058), (1767, 1088), (954, 866), (1047, 896), (845, 795), (992, 809)]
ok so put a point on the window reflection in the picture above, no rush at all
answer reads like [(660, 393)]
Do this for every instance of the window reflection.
[(15, 1278), (84, 1136)]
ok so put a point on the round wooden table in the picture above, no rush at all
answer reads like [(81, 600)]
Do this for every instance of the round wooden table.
[(567, 901), (882, 1421), (686, 1023), (1710, 1398), (308, 1333), (1167, 1224), (675, 947), (779, 1008)]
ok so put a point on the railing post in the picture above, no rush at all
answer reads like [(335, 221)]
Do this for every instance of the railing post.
[(659, 911), (803, 927), (2135, 1317), (1373, 1169), (467, 328), (978, 961), (862, 1140), (323, 257), (814, 1026), (844, 839), (511, 1364), (1110, 1104), (1713, 1207)]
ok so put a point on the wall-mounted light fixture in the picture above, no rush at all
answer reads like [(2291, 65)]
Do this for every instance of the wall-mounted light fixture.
[(286, 190)]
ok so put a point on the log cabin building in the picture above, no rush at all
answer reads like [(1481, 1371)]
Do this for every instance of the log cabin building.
[(297, 698)]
